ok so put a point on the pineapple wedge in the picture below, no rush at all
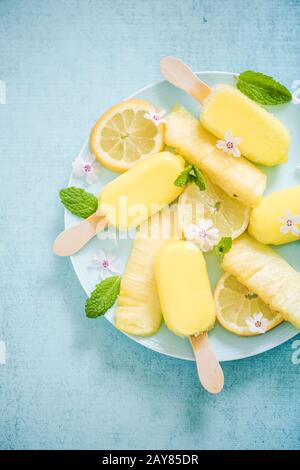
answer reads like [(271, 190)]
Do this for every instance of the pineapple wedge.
[(138, 311), (267, 274), (236, 176)]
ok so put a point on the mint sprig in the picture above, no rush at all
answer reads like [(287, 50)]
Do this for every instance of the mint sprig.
[(103, 297), (223, 246), (191, 174), (262, 88), (78, 201)]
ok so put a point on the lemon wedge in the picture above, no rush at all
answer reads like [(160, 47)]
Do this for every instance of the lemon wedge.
[(229, 216), (123, 135), (240, 311)]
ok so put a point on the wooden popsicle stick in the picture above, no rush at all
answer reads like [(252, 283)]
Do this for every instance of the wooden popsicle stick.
[(209, 370), (71, 240), (180, 75)]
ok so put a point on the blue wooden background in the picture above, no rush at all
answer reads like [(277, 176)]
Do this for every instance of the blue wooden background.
[(70, 382)]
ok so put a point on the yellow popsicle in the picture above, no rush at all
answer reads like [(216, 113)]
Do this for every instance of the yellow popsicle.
[(238, 177), (264, 139), (267, 274), (184, 289), (277, 218), (142, 191)]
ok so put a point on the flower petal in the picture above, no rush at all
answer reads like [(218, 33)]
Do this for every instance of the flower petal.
[(253, 329), (161, 112), (236, 140), (257, 316), (78, 167), (228, 136), (296, 219), (91, 177), (204, 243), (205, 224), (214, 235), (100, 255), (249, 321), (264, 324), (285, 229), (90, 158), (295, 230), (97, 167), (235, 152), (191, 231), (221, 144)]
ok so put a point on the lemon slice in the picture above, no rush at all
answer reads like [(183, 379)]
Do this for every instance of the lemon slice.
[(229, 216), (123, 136), (241, 311)]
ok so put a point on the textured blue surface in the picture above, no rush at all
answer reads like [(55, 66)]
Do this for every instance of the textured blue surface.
[(70, 382)]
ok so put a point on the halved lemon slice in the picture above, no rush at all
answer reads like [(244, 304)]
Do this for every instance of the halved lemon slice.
[(123, 135), (228, 215), (240, 311)]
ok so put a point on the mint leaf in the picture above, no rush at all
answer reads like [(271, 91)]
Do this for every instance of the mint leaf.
[(223, 246), (191, 174), (78, 201), (199, 179), (183, 178), (262, 88), (103, 297)]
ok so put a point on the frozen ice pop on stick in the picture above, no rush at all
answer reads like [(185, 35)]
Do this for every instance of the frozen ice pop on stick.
[(187, 304), (264, 139), (267, 274), (276, 220), (238, 177), (139, 193), (128, 200)]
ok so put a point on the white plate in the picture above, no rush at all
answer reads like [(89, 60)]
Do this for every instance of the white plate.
[(227, 346)]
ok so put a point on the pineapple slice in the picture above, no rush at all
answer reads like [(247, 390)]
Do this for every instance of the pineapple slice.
[(138, 311), (267, 274), (236, 176)]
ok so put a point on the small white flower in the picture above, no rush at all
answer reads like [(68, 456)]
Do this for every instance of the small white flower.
[(87, 168), (156, 116), (289, 223), (257, 323), (106, 262), (203, 234), (229, 144)]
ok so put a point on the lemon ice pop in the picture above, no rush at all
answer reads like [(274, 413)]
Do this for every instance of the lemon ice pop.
[(263, 138), (276, 220), (128, 200), (184, 290), (187, 304), (267, 274), (142, 191)]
